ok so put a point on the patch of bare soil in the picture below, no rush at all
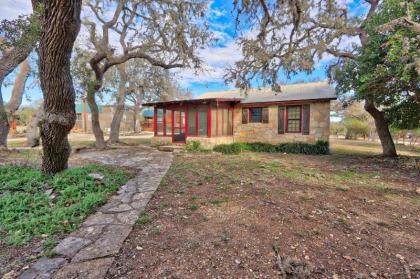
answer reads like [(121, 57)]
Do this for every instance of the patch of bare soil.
[(278, 216)]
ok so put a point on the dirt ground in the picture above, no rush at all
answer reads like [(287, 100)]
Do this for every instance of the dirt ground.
[(257, 215)]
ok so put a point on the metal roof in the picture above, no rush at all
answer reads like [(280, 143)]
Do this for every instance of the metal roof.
[(194, 101), (290, 92), (148, 113)]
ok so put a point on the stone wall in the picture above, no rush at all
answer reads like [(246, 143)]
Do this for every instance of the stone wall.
[(267, 132), (210, 142), (205, 142)]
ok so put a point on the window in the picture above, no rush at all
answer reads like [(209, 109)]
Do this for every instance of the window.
[(202, 120), (168, 122), (293, 119), (229, 123), (159, 122), (255, 115), (192, 127)]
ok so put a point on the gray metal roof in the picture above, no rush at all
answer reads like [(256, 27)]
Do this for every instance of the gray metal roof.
[(290, 92)]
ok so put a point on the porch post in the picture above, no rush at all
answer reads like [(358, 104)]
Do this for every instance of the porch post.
[(186, 122), (172, 119), (209, 120), (154, 120)]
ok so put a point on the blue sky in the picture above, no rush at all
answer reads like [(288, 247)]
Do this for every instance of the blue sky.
[(216, 58)]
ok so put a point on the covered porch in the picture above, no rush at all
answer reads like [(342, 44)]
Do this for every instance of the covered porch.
[(208, 120)]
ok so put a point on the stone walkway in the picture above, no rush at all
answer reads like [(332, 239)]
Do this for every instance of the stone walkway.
[(89, 252)]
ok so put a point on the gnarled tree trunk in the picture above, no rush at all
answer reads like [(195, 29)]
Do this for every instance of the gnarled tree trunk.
[(60, 26), (114, 135), (8, 62), (4, 123), (32, 130), (388, 146), (96, 127), (18, 88)]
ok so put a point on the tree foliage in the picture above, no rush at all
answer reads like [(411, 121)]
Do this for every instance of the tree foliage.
[(386, 68)]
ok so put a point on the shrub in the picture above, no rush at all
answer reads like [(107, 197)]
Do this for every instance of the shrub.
[(320, 147), (233, 148), (195, 146)]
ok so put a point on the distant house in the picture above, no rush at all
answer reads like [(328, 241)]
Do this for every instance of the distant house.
[(147, 120), (300, 113), (106, 112)]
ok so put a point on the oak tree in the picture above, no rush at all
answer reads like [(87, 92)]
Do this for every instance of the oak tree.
[(165, 34)]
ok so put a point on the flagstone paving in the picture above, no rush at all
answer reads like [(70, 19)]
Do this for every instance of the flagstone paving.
[(88, 252)]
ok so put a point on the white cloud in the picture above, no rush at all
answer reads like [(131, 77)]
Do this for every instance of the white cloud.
[(216, 59), (11, 9)]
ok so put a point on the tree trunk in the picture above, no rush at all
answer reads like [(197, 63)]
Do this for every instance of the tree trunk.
[(4, 123), (136, 113), (18, 88), (8, 62), (388, 147), (114, 135), (60, 27), (32, 131), (96, 127), (137, 109)]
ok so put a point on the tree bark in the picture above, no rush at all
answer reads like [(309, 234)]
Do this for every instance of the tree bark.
[(19, 87), (32, 130), (96, 127), (114, 135), (8, 62), (4, 123), (60, 27), (388, 146)]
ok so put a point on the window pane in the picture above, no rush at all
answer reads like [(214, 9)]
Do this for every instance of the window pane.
[(219, 122), (293, 125), (168, 122), (213, 122), (202, 120), (293, 112), (229, 123), (225, 121), (191, 122), (256, 114), (159, 122), (293, 118)]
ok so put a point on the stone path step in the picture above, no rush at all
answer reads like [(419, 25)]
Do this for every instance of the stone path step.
[(89, 252)]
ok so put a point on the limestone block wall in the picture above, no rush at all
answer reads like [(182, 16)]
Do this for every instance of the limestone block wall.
[(156, 141), (268, 132), (210, 142)]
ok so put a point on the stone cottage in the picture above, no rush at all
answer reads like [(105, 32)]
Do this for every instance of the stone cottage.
[(300, 113)]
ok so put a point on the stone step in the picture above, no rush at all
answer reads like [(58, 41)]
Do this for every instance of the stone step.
[(170, 148)]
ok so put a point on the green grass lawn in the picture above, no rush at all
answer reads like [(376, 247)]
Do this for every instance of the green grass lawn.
[(359, 147), (35, 205)]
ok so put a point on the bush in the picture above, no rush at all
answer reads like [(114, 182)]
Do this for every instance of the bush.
[(233, 148), (320, 147), (195, 146)]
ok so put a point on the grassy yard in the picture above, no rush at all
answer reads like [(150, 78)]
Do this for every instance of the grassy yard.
[(359, 147), (37, 209), (260, 215), (76, 142)]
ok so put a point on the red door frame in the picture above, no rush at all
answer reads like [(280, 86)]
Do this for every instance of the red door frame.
[(180, 110)]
